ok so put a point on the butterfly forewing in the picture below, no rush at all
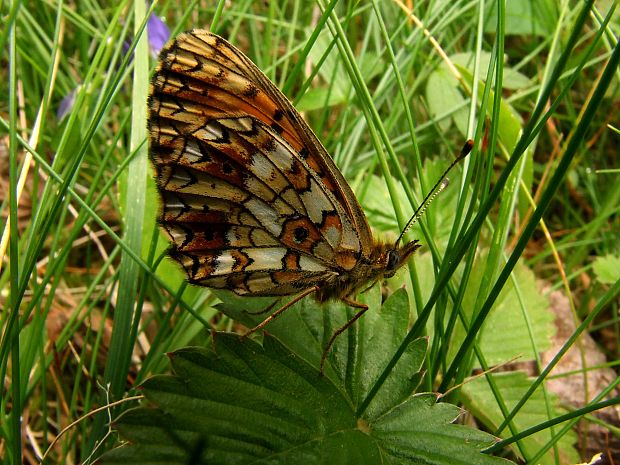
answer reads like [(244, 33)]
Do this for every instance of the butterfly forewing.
[(251, 200), (256, 95)]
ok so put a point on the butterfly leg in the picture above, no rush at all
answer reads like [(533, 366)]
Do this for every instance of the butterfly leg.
[(281, 310), (265, 310), (343, 328), (352, 303)]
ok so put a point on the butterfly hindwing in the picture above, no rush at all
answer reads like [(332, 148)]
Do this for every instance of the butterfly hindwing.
[(259, 271)]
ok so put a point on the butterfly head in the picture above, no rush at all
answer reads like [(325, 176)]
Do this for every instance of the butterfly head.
[(397, 256)]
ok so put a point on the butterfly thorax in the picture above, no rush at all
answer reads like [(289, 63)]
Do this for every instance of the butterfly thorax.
[(383, 261)]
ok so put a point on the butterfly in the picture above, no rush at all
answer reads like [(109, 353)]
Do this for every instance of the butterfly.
[(252, 201)]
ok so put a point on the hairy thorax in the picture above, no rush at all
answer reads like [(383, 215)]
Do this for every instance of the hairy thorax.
[(384, 261)]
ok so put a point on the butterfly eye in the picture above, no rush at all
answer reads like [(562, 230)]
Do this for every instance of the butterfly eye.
[(392, 261)]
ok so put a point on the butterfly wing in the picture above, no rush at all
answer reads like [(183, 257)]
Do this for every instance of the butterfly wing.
[(251, 200), (283, 116)]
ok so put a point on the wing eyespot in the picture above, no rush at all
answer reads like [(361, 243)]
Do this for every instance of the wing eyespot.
[(300, 234)]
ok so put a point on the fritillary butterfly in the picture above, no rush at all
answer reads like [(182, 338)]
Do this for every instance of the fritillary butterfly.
[(252, 202)]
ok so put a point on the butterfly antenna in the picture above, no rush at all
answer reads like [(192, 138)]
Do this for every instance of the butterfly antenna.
[(440, 185)]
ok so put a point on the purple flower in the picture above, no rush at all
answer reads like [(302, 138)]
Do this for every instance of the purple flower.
[(158, 34), (66, 104)]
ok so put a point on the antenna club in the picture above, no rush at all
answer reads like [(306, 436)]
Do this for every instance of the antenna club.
[(466, 150)]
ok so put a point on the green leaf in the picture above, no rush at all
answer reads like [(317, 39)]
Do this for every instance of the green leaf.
[(607, 269), (236, 402), (319, 98), (512, 79), (509, 122), (479, 399), (525, 17), (443, 93), (443, 96), (505, 332), (357, 356)]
